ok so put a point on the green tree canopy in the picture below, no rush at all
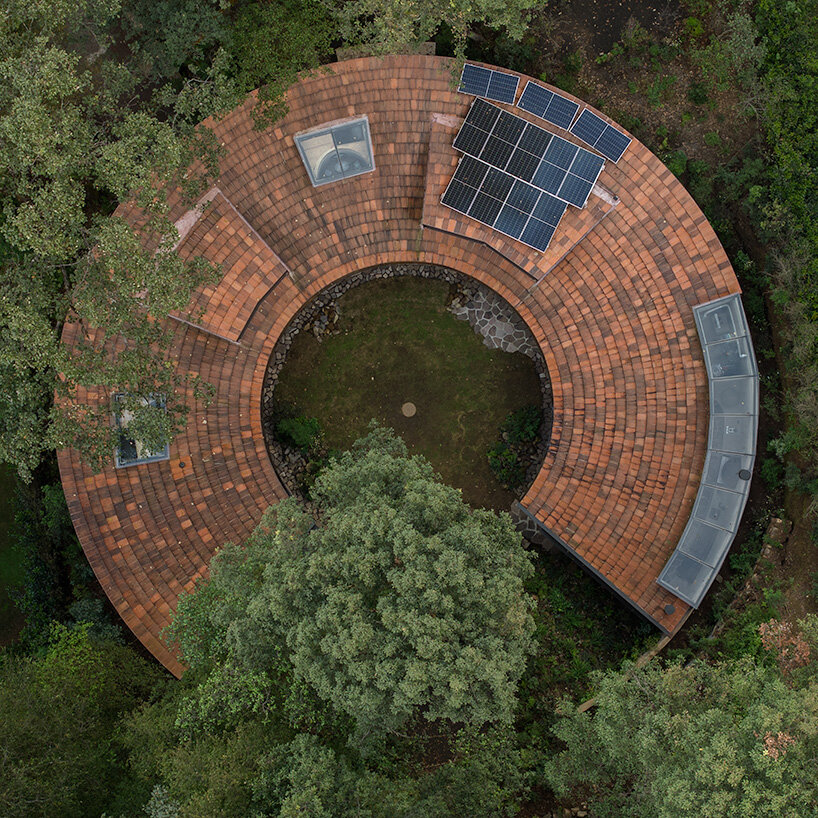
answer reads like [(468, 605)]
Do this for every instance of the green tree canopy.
[(726, 740), (58, 714), (100, 102), (401, 599), (397, 26)]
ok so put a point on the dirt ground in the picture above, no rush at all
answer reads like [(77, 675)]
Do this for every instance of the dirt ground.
[(650, 88)]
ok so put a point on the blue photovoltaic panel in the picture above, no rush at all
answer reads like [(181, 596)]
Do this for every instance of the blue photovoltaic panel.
[(523, 165), (612, 144), (483, 115), (475, 80), (597, 133), (496, 199), (508, 127), (524, 197), (549, 178), (470, 140), (589, 127), (535, 99), (497, 152), (535, 140), (538, 234), (511, 221), (587, 165), (547, 105), (561, 153), (561, 111), (529, 153), (483, 82), (472, 172), (503, 87)]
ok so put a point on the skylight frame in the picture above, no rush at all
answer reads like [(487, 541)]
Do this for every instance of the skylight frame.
[(154, 457), (312, 166)]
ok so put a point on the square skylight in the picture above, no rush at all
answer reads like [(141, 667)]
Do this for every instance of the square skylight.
[(336, 151), (130, 451)]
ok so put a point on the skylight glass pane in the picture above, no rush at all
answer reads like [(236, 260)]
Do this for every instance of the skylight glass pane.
[(705, 543), (733, 396), (721, 320), (336, 152), (131, 451), (718, 507), (689, 579), (733, 433), (728, 359), (728, 471)]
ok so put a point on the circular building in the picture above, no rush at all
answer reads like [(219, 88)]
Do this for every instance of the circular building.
[(602, 252)]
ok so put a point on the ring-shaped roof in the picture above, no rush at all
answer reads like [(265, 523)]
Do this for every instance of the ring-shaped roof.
[(610, 303)]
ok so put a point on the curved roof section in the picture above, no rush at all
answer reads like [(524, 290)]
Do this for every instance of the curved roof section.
[(610, 304)]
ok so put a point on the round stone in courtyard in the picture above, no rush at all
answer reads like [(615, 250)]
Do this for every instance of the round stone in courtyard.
[(408, 409)]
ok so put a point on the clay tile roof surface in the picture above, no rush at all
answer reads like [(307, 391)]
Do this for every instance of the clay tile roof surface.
[(610, 304)]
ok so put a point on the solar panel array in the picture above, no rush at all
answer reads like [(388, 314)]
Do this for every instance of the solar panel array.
[(529, 153), (725, 486), (498, 200), (547, 105), (601, 136), (483, 82)]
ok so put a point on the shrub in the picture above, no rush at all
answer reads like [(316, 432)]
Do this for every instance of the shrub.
[(507, 458), (677, 163), (506, 466), (523, 425), (299, 432)]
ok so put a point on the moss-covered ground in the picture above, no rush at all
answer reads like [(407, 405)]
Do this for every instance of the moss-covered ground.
[(396, 343)]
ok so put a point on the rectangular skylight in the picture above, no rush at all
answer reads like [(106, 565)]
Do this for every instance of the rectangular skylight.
[(336, 151), (130, 451)]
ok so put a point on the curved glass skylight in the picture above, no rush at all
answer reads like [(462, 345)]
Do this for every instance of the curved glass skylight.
[(725, 486), (337, 151)]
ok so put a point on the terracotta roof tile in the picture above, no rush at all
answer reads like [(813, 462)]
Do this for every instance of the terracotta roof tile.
[(612, 315)]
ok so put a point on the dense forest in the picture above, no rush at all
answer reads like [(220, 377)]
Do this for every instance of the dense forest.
[(101, 102)]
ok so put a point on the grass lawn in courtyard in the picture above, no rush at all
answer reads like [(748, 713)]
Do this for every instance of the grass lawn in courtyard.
[(398, 343)]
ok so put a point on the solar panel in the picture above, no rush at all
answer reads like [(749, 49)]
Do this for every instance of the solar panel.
[(508, 205), (484, 82), (597, 133), (475, 80), (529, 153), (547, 105), (503, 87)]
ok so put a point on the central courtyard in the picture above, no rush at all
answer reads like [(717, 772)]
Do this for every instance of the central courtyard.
[(395, 342)]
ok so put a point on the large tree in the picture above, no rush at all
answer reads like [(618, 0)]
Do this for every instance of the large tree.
[(402, 599), (397, 26), (58, 715), (725, 740), (100, 102)]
